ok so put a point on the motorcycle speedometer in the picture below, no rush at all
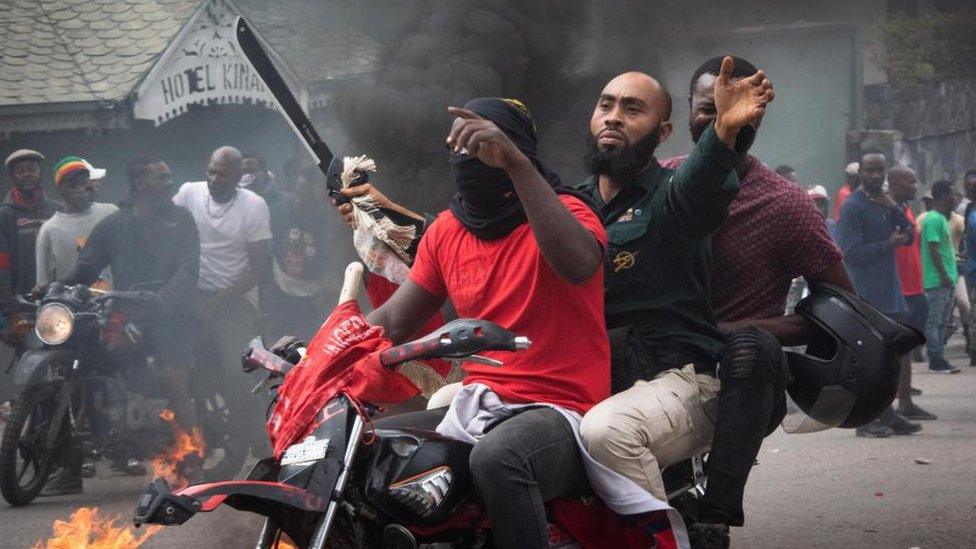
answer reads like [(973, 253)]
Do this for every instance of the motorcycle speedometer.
[(55, 323)]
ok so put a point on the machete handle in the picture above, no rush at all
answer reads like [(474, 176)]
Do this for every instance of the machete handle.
[(350, 283)]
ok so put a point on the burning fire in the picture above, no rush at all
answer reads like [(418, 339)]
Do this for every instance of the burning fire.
[(167, 464), (86, 530), (284, 542)]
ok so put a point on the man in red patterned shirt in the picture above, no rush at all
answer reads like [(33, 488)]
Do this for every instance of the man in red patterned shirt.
[(773, 234)]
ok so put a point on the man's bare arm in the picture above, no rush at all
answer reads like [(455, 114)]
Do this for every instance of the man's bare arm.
[(405, 313), (791, 330)]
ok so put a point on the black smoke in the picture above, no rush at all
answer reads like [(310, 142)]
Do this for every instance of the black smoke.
[(554, 55), (442, 53)]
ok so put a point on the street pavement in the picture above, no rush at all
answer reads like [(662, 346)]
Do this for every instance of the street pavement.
[(826, 489)]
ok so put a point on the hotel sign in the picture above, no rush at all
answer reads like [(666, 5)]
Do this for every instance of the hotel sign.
[(202, 67)]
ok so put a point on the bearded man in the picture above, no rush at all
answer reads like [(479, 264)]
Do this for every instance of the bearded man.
[(664, 337)]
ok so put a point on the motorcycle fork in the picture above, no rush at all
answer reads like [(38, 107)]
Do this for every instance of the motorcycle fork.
[(64, 407), (270, 532), (269, 535), (325, 523)]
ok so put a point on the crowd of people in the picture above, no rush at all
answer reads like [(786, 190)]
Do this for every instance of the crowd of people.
[(231, 257), (672, 277), (912, 268)]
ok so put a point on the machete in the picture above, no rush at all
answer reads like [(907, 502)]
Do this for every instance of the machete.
[(288, 106)]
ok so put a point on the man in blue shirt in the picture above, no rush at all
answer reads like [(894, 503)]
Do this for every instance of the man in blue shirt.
[(871, 227)]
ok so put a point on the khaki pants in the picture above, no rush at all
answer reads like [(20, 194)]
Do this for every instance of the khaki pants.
[(653, 424)]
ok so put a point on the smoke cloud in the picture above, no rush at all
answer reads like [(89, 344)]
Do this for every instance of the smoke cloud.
[(444, 52)]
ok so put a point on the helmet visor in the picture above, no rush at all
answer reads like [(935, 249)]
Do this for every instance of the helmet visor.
[(830, 407)]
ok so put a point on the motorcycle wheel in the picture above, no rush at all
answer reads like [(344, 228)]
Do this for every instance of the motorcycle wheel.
[(21, 448), (221, 434)]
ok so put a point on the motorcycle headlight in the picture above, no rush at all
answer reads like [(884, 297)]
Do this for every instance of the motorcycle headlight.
[(54, 324)]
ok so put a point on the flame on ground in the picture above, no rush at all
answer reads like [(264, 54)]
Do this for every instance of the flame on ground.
[(87, 530), (167, 464), (284, 542)]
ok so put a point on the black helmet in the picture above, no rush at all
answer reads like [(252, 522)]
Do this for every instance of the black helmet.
[(849, 373)]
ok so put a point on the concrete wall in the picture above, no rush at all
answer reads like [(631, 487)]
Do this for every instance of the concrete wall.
[(816, 53), (932, 126)]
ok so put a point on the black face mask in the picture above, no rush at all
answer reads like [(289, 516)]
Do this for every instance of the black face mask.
[(481, 188), (621, 165), (486, 202)]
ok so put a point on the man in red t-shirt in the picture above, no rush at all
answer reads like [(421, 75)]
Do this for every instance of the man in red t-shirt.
[(903, 185), (517, 249)]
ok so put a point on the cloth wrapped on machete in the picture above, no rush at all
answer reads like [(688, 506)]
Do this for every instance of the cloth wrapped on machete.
[(386, 242)]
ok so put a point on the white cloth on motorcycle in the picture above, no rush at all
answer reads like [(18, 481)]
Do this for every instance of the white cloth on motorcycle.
[(475, 408)]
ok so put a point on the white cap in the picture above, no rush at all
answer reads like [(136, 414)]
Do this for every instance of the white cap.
[(93, 172), (817, 191), (852, 168)]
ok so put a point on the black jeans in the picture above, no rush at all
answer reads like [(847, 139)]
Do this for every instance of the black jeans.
[(520, 464), (752, 402)]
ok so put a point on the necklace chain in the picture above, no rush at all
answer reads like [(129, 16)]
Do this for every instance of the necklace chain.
[(220, 213)]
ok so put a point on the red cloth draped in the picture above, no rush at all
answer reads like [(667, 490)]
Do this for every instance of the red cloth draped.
[(343, 357)]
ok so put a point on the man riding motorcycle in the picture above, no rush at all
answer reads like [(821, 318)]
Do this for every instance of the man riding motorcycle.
[(663, 333), (772, 235), (150, 240), (516, 249)]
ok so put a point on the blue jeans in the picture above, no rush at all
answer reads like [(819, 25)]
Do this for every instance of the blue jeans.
[(941, 301)]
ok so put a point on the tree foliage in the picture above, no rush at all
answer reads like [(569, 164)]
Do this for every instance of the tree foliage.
[(928, 48)]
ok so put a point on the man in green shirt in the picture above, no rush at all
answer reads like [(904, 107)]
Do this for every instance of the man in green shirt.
[(664, 338), (939, 273)]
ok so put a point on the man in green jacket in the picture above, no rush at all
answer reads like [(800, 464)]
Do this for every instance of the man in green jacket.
[(658, 300)]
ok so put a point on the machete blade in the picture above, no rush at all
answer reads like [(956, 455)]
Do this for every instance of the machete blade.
[(287, 105)]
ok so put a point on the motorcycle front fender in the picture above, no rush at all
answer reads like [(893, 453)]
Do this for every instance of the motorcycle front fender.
[(159, 505), (35, 365)]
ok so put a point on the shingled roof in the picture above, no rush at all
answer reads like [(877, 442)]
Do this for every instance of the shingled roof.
[(72, 51), (63, 51), (315, 37)]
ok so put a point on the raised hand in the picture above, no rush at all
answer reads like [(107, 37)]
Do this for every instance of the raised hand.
[(739, 102), (481, 139)]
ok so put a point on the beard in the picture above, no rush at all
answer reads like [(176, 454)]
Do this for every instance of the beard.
[(621, 164)]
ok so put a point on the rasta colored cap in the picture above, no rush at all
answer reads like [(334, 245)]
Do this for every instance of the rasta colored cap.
[(71, 164)]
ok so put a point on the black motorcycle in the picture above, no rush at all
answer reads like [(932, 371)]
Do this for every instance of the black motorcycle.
[(405, 488), (89, 390)]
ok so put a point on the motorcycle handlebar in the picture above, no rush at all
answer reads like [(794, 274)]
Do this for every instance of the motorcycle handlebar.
[(457, 339), (257, 356), (25, 304), (136, 295)]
